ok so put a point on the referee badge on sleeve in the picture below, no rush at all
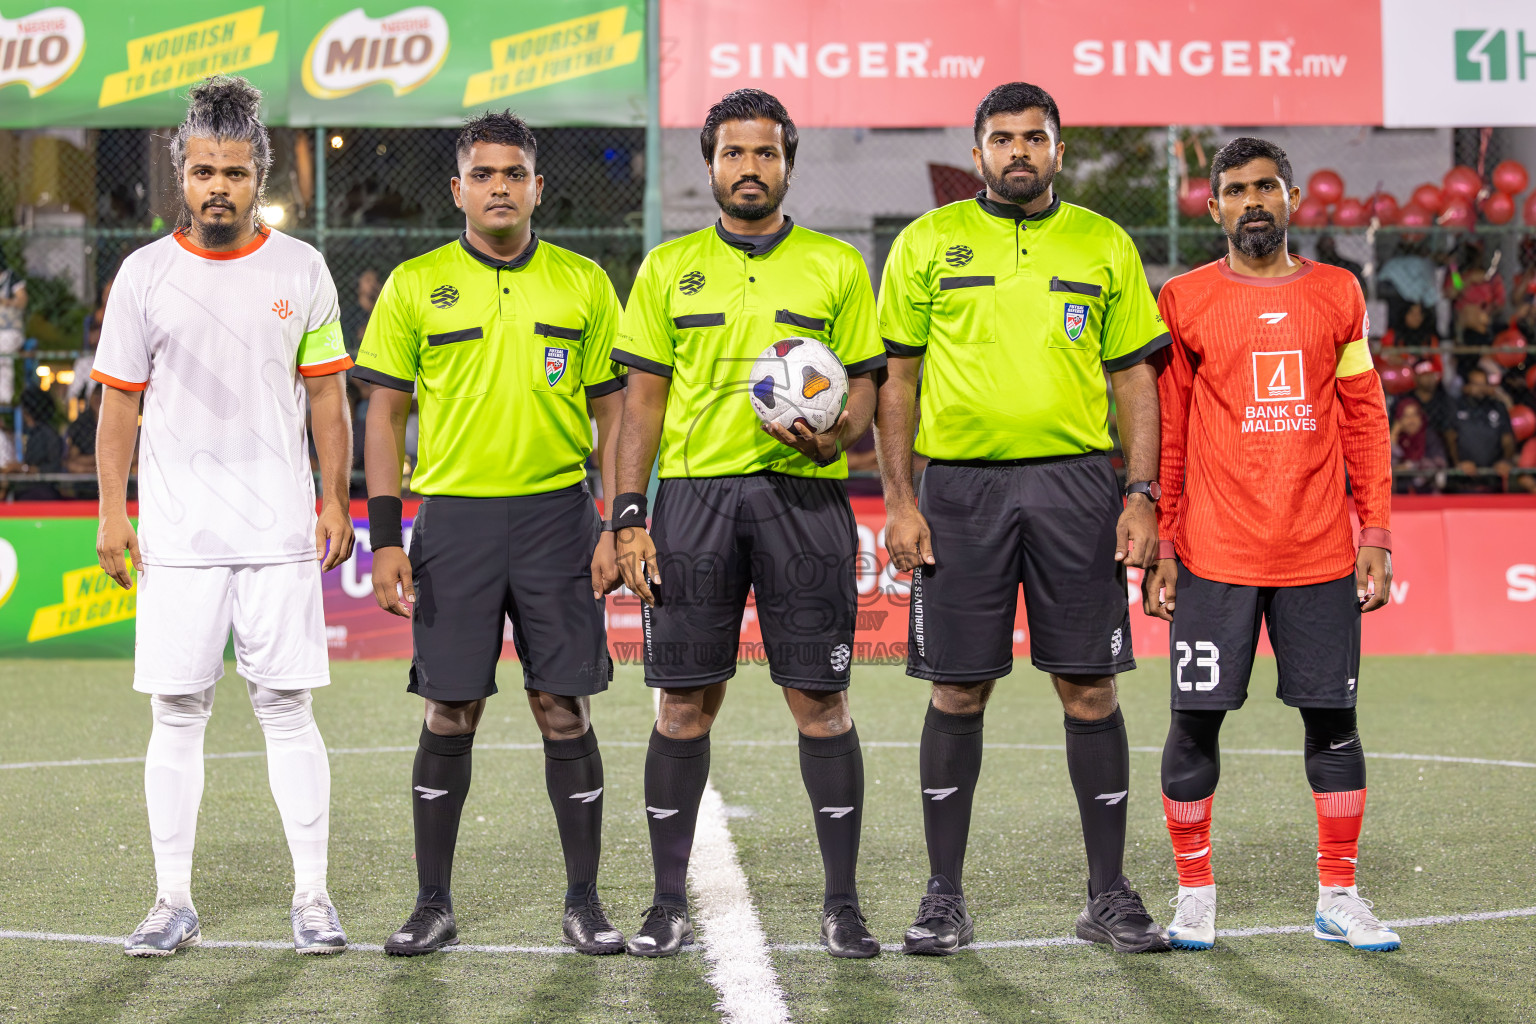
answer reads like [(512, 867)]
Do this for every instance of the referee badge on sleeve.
[(1074, 318), (554, 364)]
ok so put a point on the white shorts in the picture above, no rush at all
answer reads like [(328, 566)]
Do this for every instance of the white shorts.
[(185, 614)]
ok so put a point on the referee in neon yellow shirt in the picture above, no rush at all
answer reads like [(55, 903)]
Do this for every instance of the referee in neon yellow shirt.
[(1014, 305), (742, 508), (505, 340)]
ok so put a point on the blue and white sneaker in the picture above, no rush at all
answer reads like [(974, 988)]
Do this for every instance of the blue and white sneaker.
[(1342, 916), (316, 927), (163, 931), (1194, 918)]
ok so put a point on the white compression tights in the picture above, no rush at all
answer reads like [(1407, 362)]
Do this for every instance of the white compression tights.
[(297, 770)]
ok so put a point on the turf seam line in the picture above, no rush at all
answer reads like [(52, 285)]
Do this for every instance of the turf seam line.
[(786, 947), (897, 744)]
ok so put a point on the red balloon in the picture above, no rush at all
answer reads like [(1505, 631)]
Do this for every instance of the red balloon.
[(1416, 216), (1509, 176), (1326, 187), (1351, 213), (1383, 206), (1310, 214), (1523, 422), (1458, 213), (1428, 197), (1397, 380), (1462, 181), (1510, 347), (1498, 208), (1530, 210), (1193, 196), (1528, 455)]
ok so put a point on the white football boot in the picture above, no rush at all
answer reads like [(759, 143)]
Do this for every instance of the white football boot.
[(163, 931), (1342, 916), (1194, 918)]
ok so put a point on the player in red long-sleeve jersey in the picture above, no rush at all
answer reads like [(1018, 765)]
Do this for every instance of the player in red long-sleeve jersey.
[(1268, 398)]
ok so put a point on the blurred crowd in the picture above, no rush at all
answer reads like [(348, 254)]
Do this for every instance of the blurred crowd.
[(1453, 360)]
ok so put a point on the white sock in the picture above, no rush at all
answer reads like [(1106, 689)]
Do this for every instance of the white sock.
[(300, 775), (173, 788)]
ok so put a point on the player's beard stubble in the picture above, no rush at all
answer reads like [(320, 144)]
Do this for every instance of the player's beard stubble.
[(773, 198), (1260, 243), (1023, 192), (213, 234)]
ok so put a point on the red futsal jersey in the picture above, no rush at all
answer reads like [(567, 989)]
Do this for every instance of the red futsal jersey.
[(1268, 396)]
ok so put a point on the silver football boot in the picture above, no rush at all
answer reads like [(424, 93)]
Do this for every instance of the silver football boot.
[(165, 930), (316, 927)]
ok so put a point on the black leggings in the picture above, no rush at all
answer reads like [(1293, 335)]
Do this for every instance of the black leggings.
[(1192, 757)]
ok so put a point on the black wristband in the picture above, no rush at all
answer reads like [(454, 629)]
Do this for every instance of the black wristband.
[(628, 510), (608, 526), (384, 529)]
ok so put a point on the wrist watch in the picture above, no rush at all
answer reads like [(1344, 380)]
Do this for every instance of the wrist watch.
[(1148, 487)]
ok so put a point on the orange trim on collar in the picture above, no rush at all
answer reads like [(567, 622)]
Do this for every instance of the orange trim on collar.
[(245, 250)]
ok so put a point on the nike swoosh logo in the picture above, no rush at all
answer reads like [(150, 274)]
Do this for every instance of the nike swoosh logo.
[(589, 796), (660, 813), (1198, 853), (836, 812), (1344, 743), (940, 794), (430, 794), (632, 508), (1110, 799)]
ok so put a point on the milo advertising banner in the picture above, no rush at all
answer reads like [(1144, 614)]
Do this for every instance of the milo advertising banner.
[(55, 601), (97, 63)]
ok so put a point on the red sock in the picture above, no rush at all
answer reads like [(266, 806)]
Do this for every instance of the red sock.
[(1189, 826), (1338, 836)]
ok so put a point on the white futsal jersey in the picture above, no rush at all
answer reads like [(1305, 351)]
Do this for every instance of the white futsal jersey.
[(218, 343)]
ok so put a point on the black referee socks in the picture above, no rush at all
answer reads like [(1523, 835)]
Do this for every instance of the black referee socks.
[(439, 784), (1099, 762), (949, 763), (833, 770), (675, 774), (573, 774)]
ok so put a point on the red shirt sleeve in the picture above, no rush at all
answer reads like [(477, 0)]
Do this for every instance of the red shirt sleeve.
[(1366, 437), (1175, 382)]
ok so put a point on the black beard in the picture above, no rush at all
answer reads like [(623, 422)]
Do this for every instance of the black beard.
[(766, 207), (1257, 245), (1018, 192), (210, 235)]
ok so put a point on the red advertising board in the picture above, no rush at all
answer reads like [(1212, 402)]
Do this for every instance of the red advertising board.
[(1464, 582), (911, 63)]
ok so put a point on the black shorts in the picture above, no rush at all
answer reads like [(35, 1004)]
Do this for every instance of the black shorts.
[(791, 540), (478, 561), (1048, 524), (1314, 629)]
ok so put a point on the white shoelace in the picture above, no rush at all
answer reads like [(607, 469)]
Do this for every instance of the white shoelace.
[(1354, 909), (159, 919), (1199, 914), (315, 916)]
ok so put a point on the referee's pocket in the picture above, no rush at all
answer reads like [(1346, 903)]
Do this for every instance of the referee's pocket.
[(559, 354), (969, 305), (453, 365)]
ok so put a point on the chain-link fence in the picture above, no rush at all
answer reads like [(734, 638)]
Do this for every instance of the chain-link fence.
[(74, 202)]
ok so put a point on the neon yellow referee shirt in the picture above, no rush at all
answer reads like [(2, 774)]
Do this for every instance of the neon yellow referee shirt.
[(1017, 318), (503, 357), (706, 305)]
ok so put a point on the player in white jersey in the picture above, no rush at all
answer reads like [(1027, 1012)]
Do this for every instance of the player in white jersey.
[(224, 329)]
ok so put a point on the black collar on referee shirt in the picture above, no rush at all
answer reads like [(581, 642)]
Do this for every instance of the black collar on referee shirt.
[(755, 245), (1013, 211), (515, 263)]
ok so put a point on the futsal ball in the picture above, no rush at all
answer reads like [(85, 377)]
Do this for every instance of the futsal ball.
[(799, 380)]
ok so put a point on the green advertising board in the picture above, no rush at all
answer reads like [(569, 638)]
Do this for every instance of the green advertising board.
[(104, 63), (55, 602)]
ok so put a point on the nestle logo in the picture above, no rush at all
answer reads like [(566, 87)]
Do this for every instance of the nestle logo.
[(406, 25)]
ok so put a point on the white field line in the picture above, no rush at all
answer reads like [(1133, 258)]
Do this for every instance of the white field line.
[(792, 947), (901, 744), (734, 944)]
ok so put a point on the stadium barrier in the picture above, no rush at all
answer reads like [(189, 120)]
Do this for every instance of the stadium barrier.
[(1464, 583)]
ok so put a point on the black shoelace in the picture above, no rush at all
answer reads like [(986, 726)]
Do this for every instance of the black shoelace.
[(660, 915), (847, 915), (590, 916), (1124, 904), (941, 906)]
